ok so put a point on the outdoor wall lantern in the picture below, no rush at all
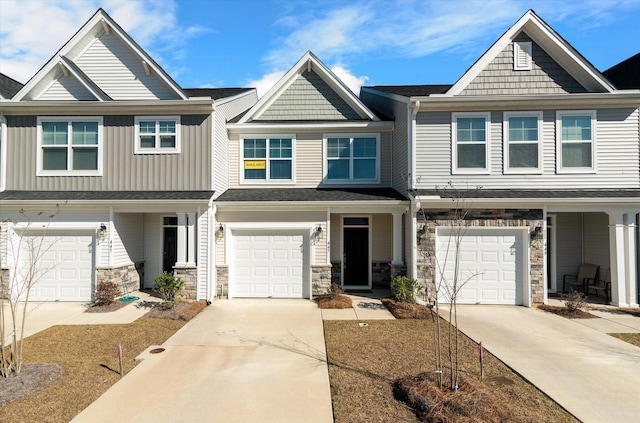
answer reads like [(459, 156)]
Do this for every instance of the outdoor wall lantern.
[(536, 233), (103, 228), (318, 231)]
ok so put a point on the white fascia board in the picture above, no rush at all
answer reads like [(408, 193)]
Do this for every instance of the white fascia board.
[(144, 107), (96, 94), (118, 205), (379, 206), (429, 202), (293, 126), (533, 23)]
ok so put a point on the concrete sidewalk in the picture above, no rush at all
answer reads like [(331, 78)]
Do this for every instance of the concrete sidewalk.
[(237, 361), (364, 308), (591, 374)]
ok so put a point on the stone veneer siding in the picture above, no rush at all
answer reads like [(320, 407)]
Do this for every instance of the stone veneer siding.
[(429, 220), (321, 278), (190, 277), (121, 275), (222, 288)]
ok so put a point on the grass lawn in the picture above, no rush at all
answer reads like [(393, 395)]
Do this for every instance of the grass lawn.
[(87, 354), (632, 338), (365, 361)]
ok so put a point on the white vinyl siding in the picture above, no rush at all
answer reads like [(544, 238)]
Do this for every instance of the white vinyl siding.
[(128, 238), (203, 247), (522, 135), (69, 146), (576, 140), (471, 142), (66, 88), (157, 135)]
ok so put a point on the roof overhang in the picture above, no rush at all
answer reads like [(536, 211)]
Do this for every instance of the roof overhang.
[(254, 127), (374, 206), (147, 107)]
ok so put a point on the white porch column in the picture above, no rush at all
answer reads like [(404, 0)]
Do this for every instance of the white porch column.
[(397, 239), (630, 258), (182, 241), (191, 239), (617, 259)]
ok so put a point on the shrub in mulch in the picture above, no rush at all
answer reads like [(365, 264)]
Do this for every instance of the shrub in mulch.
[(471, 403), (184, 310), (105, 308), (403, 310), (568, 313), (334, 301)]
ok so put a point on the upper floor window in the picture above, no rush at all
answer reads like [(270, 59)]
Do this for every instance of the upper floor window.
[(576, 139), (267, 158), (352, 158), (157, 134), (69, 145), (470, 133), (522, 142)]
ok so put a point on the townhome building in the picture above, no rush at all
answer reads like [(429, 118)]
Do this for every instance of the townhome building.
[(104, 139), (540, 151)]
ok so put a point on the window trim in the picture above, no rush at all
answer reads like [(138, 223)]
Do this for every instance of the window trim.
[(137, 149), (559, 142), (351, 180), (68, 172), (506, 143), (267, 179), (454, 143)]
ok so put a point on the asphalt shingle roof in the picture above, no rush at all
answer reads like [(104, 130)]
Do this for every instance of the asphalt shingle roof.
[(103, 195), (412, 90), (311, 194), (626, 74), (214, 93), (9, 86)]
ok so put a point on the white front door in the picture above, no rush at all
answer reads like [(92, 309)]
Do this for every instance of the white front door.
[(491, 265), (268, 264), (66, 266)]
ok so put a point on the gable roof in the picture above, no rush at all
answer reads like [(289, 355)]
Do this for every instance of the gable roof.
[(8, 86), (309, 62), (552, 43), (626, 74), (98, 24)]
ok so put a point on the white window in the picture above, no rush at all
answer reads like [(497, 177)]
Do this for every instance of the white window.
[(522, 151), (470, 135), (267, 158), (157, 135), (522, 55), (352, 158), (576, 141), (69, 145)]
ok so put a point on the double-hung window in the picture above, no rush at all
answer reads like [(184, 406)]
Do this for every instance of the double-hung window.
[(576, 140), (352, 158), (70, 145), (522, 142), (267, 159), (157, 134), (470, 134)]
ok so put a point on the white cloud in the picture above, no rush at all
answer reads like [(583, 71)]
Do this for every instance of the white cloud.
[(264, 84), (350, 80), (32, 31)]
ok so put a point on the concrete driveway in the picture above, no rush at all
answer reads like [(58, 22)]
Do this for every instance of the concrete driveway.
[(237, 361), (591, 374)]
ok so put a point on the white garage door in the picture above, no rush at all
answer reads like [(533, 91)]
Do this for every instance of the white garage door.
[(69, 258), (268, 264), (491, 265)]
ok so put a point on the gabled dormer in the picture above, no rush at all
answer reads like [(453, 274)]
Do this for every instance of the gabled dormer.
[(530, 58), (101, 62)]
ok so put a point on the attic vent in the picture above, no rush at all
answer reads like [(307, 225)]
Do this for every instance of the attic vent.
[(522, 55)]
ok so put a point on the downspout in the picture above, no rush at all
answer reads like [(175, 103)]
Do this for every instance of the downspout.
[(413, 230), (3, 151)]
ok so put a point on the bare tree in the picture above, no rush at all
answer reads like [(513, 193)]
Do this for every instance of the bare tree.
[(22, 246)]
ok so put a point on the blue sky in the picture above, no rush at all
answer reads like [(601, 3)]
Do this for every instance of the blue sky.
[(231, 43)]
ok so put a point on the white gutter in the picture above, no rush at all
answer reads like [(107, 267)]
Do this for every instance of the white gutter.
[(44, 107), (3, 152), (254, 127)]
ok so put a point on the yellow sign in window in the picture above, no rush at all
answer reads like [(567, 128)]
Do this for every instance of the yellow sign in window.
[(255, 164)]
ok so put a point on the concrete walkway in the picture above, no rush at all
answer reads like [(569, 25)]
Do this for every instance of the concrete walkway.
[(592, 375), (237, 361), (364, 308)]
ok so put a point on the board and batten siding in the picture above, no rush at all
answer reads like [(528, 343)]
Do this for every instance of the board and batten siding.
[(122, 169), (617, 152), (128, 238), (309, 98), (545, 77), (119, 72), (308, 165)]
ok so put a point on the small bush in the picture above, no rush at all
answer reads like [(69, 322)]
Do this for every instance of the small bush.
[(106, 293), (575, 301), (169, 288), (404, 289), (335, 290)]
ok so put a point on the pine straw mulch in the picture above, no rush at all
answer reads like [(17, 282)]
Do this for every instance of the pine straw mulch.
[(106, 308), (401, 310), (184, 310), (631, 338), (366, 361), (334, 301), (565, 312), (87, 356)]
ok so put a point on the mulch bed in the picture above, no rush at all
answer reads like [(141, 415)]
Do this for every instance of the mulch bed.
[(33, 378), (106, 308), (334, 301), (631, 311), (402, 310), (184, 310), (569, 314)]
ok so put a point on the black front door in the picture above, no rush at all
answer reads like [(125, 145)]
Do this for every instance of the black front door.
[(355, 261), (169, 249)]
